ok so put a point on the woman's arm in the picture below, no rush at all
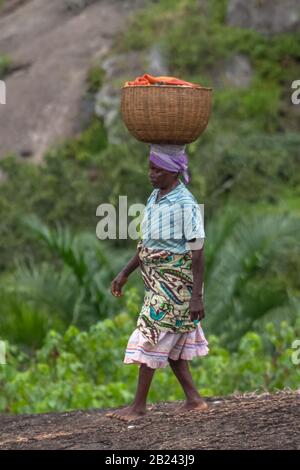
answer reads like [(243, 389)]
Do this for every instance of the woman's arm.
[(196, 302), (131, 265), (121, 279)]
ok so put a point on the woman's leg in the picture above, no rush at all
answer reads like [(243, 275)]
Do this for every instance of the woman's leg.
[(138, 407), (184, 377)]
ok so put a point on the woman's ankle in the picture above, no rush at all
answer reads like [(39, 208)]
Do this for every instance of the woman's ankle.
[(194, 399), (138, 406)]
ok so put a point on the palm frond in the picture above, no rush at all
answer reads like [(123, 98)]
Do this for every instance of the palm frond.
[(242, 285)]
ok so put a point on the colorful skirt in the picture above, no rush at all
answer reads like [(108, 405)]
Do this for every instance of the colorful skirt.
[(164, 328), (168, 281)]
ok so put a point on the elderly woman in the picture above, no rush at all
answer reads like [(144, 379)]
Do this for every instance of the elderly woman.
[(168, 328)]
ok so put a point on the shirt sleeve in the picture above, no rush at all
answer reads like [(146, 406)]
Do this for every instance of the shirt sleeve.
[(193, 223)]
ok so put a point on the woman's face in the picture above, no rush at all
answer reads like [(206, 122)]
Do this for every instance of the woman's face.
[(161, 178)]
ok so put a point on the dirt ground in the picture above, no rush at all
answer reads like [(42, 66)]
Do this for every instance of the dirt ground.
[(249, 421)]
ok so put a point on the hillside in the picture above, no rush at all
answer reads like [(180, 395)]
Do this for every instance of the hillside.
[(249, 421), (64, 63), (51, 48)]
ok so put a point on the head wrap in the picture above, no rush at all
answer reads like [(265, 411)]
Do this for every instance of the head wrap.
[(170, 157)]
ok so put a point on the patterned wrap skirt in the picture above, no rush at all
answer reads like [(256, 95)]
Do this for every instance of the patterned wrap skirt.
[(164, 328)]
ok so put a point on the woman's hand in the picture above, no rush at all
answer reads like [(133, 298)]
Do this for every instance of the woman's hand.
[(117, 284), (197, 308)]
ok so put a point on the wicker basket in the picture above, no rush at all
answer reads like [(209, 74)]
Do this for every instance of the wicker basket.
[(166, 114)]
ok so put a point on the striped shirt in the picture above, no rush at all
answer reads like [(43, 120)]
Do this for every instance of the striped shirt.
[(173, 221)]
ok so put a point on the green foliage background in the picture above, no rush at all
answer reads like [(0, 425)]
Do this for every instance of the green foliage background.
[(65, 333), (84, 369)]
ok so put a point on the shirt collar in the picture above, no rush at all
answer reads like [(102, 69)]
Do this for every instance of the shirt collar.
[(170, 194)]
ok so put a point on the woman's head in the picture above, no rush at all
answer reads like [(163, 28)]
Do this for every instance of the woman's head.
[(168, 162), (161, 178)]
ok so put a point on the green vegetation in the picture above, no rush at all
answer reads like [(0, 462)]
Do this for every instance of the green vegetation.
[(85, 370), (211, 43), (75, 289), (65, 189), (66, 333), (95, 78), (5, 64)]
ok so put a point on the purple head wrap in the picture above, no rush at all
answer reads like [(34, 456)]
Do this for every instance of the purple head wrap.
[(170, 157)]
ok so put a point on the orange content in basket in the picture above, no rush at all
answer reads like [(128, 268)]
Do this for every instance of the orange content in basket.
[(147, 79)]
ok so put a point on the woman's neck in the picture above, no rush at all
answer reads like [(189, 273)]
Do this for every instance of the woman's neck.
[(163, 191)]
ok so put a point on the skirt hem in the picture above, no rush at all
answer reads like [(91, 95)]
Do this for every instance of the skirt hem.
[(185, 346), (162, 364)]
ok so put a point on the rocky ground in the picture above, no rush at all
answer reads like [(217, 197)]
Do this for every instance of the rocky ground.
[(52, 46), (249, 421)]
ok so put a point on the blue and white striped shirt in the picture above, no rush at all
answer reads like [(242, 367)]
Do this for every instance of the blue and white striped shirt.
[(172, 221)]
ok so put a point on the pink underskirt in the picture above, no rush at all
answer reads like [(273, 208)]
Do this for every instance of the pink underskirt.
[(170, 345)]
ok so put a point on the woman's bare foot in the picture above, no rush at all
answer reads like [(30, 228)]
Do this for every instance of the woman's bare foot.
[(198, 405), (128, 414)]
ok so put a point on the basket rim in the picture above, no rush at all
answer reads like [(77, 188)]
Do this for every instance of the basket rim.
[(168, 86)]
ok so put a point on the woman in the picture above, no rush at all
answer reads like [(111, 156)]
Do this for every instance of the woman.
[(168, 328)]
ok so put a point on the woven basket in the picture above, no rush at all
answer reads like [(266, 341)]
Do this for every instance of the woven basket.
[(165, 114)]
